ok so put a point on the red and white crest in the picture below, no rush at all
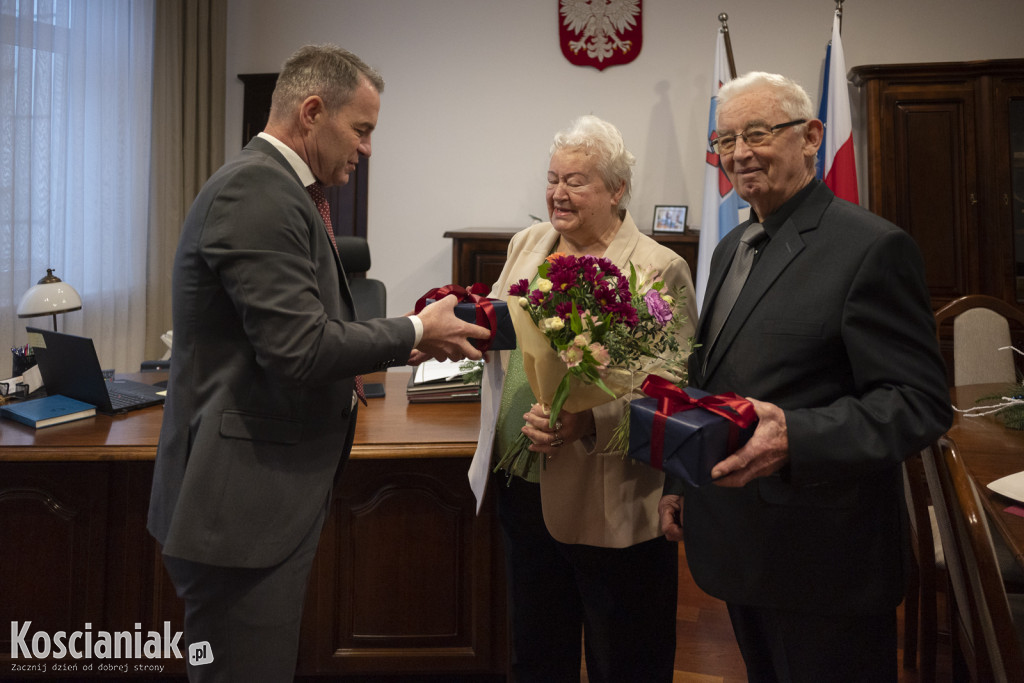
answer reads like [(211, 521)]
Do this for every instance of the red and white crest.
[(600, 33)]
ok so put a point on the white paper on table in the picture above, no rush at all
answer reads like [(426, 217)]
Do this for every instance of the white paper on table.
[(1011, 486), (437, 371)]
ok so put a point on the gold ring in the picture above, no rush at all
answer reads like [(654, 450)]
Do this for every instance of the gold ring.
[(558, 425)]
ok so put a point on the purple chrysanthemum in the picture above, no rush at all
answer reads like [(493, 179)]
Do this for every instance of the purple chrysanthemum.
[(658, 307)]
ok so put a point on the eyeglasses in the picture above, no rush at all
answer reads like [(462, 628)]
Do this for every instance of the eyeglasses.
[(753, 137)]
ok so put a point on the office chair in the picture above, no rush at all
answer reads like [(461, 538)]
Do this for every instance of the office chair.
[(927, 577), (370, 295)]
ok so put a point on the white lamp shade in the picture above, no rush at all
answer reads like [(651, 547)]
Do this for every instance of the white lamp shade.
[(50, 296)]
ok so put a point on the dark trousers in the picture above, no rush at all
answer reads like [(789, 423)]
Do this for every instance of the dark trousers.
[(250, 618), (621, 600), (784, 646)]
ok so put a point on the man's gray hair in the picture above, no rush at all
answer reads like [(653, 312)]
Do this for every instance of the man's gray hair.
[(792, 98), (598, 137), (329, 71)]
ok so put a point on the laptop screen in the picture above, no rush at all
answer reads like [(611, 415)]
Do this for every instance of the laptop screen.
[(69, 366)]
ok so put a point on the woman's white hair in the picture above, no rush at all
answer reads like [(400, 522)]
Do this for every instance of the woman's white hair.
[(792, 98), (602, 139)]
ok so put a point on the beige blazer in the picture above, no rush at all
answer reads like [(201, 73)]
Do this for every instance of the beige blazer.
[(589, 495)]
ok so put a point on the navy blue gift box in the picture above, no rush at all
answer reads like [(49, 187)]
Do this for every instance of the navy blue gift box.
[(504, 338), (694, 441)]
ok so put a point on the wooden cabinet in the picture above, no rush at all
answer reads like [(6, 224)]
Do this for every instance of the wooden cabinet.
[(685, 245), (945, 160), (478, 254), (74, 551), (940, 163), (53, 547), (405, 576)]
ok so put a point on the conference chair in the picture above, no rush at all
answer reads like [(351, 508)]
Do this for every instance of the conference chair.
[(988, 625), (981, 326), (927, 577), (370, 295)]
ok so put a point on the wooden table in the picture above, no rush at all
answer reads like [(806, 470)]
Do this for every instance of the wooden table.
[(991, 451), (408, 579)]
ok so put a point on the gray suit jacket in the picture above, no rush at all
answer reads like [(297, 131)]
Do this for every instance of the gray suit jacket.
[(259, 408), (835, 326)]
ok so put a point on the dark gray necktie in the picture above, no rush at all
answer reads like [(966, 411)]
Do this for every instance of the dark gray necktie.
[(733, 283)]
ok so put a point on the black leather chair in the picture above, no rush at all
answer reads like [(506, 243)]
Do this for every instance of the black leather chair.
[(370, 295)]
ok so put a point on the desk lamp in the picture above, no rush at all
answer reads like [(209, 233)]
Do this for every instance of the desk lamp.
[(49, 296)]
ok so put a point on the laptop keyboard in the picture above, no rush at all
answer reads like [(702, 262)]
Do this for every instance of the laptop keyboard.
[(119, 400)]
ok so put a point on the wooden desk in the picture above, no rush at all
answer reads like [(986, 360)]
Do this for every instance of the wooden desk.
[(991, 451), (407, 579)]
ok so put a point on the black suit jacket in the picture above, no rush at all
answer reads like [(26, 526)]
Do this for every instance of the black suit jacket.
[(259, 408), (834, 325)]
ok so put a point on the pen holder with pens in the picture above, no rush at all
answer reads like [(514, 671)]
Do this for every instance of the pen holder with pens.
[(23, 358)]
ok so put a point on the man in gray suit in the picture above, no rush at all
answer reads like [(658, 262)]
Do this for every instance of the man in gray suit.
[(260, 408), (833, 338)]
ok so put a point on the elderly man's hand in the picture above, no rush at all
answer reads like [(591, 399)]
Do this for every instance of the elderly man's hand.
[(670, 509), (445, 337), (765, 453)]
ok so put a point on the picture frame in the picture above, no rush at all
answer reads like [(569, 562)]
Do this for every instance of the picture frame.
[(669, 219)]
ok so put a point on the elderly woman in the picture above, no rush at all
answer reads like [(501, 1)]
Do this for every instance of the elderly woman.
[(583, 550)]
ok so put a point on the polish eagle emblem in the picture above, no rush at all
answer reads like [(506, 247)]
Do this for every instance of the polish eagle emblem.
[(600, 33)]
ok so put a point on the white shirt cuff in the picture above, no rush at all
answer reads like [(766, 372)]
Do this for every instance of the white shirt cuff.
[(417, 326)]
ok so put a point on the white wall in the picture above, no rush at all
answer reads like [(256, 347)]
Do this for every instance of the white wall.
[(477, 88)]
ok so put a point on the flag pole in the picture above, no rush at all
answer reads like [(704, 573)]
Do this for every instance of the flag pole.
[(724, 18), (839, 13)]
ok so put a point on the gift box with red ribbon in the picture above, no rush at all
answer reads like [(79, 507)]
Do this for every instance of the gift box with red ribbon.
[(474, 307), (686, 432)]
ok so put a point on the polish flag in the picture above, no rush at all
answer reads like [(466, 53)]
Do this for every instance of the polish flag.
[(836, 165), (720, 210)]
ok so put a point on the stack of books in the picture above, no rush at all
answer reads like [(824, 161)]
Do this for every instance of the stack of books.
[(445, 382)]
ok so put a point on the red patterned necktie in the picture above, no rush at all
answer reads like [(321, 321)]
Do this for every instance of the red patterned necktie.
[(316, 191)]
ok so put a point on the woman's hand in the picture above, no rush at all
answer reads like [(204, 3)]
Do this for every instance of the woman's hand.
[(568, 428)]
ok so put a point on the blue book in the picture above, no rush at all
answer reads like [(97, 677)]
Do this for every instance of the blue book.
[(47, 411)]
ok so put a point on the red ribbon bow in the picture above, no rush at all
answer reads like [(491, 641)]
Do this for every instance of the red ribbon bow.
[(671, 400), (475, 293)]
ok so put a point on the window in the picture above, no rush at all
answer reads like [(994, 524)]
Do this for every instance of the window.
[(75, 121)]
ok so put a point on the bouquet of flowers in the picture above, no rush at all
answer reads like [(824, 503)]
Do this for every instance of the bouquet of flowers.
[(588, 335)]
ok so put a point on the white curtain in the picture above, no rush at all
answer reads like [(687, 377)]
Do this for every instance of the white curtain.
[(75, 121)]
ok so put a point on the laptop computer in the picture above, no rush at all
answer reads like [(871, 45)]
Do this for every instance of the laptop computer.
[(69, 366)]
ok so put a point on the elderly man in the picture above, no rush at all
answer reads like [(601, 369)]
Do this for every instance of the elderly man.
[(833, 338), (260, 409)]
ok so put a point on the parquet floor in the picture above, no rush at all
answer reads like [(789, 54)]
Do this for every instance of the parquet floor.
[(706, 651)]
